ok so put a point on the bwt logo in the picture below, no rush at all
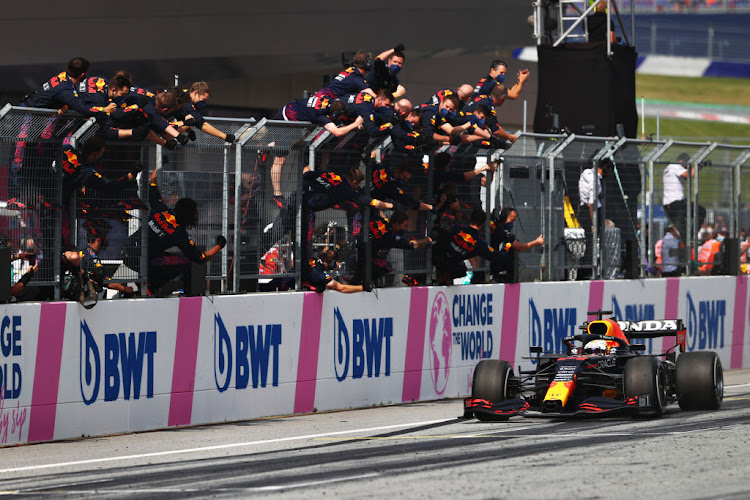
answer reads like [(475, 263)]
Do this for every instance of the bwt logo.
[(121, 364), (558, 324), (635, 312), (368, 345), (705, 325), (253, 351)]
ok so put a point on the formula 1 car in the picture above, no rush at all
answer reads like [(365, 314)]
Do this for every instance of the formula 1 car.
[(606, 374)]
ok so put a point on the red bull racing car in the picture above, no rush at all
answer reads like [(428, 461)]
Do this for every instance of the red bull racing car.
[(602, 372)]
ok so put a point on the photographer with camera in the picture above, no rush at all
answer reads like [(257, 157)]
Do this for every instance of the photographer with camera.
[(92, 264), (166, 229), (674, 201), (24, 265), (75, 283)]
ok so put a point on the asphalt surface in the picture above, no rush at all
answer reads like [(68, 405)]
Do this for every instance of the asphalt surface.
[(417, 450)]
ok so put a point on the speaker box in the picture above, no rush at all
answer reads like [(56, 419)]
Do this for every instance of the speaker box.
[(732, 256), (195, 280)]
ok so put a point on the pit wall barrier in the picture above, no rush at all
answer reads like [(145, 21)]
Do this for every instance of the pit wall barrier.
[(143, 364)]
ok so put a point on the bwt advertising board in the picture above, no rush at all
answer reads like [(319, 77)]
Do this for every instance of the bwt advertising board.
[(133, 365)]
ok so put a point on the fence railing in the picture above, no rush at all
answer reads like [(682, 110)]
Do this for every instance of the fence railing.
[(237, 188)]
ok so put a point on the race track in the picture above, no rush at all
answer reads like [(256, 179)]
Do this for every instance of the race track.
[(419, 450)]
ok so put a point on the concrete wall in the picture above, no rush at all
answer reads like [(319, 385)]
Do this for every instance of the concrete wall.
[(135, 365)]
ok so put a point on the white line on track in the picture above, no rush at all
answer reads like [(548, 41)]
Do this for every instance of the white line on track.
[(217, 447), (736, 385)]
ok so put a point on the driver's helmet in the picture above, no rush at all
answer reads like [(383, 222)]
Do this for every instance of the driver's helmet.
[(598, 346)]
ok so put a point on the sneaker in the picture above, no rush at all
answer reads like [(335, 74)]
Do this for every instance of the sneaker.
[(410, 280), (279, 200), (15, 204)]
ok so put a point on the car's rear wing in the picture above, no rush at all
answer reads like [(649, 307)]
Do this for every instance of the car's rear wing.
[(652, 328)]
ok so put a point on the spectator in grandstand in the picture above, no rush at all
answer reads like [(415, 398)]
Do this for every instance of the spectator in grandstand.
[(60, 91), (459, 244), (190, 113), (384, 70), (349, 81), (589, 203), (385, 233), (505, 244), (315, 274), (322, 111), (670, 253), (168, 228), (498, 69), (675, 204)]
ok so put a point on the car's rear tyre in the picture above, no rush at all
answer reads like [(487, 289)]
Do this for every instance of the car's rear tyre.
[(490, 383), (700, 381), (646, 378)]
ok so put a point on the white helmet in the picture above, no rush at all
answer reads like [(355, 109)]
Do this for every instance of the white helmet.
[(598, 346)]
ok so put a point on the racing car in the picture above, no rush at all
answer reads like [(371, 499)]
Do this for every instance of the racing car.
[(602, 372)]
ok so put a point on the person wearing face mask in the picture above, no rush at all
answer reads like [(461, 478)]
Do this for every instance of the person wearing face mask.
[(711, 255), (190, 113), (498, 70), (384, 70), (505, 243), (442, 123)]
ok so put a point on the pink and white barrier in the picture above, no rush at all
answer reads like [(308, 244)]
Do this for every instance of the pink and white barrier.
[(135, 365)]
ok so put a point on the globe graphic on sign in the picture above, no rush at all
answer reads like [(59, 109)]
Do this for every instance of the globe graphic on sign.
[(440, 342)]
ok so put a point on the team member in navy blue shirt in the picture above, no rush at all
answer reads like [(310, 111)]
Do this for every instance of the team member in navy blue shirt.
[(385, 233), (323, 111), (443, 122), (60, 91), (459, 244), (166, 229), (100, 96), (316, 274), (498, 69), (384, 70), (389, 185), (464, 93), (190, 113), (496, 98), (365, 105), (154, 112), (349, 81)]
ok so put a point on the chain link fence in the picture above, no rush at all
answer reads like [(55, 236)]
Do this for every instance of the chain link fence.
[(251, 193)]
